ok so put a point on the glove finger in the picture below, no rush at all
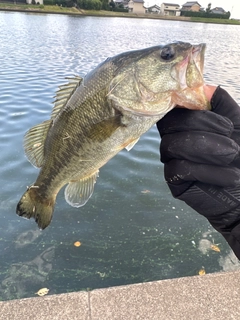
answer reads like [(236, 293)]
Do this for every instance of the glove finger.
[(236, 136), (199, 147), (223, 104), (178, 172), (179, 119)]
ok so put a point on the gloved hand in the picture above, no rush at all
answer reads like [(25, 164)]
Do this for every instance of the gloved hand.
[(201, 155)]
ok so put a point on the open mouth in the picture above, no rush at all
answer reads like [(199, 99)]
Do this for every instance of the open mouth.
[(189, 71), (198, 56), (189, 75)]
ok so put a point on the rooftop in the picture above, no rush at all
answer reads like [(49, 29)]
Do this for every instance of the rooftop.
[(190, 4), (171, 4)]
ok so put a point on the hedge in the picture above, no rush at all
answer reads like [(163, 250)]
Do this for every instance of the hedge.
[(204, 14)]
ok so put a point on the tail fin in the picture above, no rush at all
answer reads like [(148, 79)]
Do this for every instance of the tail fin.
[(31, 205)]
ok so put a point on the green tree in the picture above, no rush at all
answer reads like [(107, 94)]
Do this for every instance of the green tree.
[(208, 8), (105, 5), (89, 4), (112, 5)]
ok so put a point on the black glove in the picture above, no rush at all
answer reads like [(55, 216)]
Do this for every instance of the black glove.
[(201, 155)]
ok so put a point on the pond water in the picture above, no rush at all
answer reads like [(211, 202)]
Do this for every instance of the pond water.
[(131, 230)]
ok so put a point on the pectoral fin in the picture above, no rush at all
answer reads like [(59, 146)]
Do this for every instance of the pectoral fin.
[(102, 130), (77, 193), (131, 145)]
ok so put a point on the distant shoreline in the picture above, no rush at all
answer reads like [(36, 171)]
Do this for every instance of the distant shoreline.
[(8, 7)]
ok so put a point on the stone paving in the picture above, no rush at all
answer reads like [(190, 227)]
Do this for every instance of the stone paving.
[(209, 297)]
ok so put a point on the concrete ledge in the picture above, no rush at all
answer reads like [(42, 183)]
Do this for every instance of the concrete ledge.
[(208, 297)]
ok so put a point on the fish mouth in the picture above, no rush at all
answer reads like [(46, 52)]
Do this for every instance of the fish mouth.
[(189, 71), (198, 53), (189, 74)]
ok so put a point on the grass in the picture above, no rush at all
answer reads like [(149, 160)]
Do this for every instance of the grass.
[(38, 8), (65, 10), (218, 21)]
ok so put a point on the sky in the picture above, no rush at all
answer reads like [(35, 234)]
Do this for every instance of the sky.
[(228, 5)]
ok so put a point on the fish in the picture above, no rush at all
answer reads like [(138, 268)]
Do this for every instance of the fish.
[(95, 117)]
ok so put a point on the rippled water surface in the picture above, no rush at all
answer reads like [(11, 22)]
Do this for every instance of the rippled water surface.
[(131, 230)]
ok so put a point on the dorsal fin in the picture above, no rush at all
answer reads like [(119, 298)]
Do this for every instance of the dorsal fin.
[(34, 141), (64, 94)]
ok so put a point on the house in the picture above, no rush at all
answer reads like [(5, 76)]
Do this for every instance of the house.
[(36, 1), (218, 10), (191, 6), (118, 2), (170, 9), (154, 9), (121, 3), (136, 6)]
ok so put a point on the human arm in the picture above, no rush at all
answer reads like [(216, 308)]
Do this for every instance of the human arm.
[(200, 151)]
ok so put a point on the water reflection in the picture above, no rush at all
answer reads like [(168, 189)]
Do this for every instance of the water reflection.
[(229, 262), (26, 238), (132, 230), (23, 277)]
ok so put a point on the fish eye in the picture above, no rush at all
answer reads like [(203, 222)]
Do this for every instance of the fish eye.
[(167, 53)]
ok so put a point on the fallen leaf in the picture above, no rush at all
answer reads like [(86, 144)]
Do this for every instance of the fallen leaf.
[(145, 191), (214, 247), (201, 272), (77, 244), (42, 292)]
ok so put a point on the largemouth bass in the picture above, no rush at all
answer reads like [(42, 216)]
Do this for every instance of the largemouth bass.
[(96, 117)]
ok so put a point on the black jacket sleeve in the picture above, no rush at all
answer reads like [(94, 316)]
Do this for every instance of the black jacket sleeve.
[(201, 155)]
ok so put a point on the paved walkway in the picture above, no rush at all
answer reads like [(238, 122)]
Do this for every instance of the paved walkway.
[(209, 297)]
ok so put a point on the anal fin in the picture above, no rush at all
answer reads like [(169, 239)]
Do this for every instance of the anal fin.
[(77, 193)]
